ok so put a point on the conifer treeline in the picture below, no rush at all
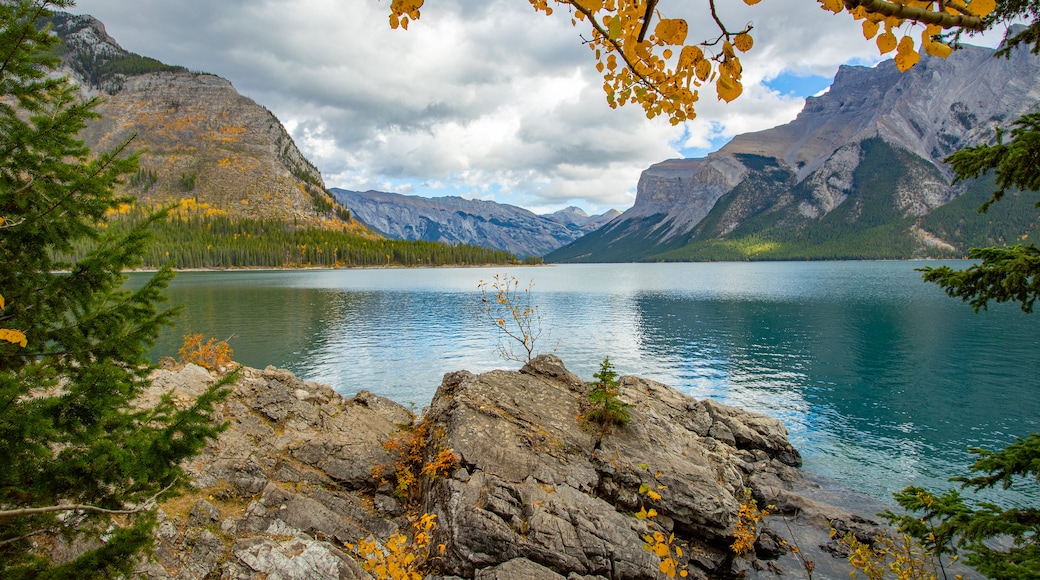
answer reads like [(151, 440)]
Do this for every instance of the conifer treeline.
[(198, 240)]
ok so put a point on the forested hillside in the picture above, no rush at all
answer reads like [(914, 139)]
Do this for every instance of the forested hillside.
[(199, 237)]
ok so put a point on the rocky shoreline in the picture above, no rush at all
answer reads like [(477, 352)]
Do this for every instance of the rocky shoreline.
[(519, 488)]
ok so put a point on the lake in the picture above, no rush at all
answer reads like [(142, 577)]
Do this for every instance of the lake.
[(882, 380)]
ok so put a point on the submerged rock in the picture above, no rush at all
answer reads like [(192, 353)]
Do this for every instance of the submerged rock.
[(288, 488)]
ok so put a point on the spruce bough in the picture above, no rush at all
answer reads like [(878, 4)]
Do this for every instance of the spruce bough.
[(79, 461)]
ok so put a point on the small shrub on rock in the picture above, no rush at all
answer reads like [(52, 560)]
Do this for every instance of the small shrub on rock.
[(606, 410), (211, 355)]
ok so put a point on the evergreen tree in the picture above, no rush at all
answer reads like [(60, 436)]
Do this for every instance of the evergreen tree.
[(999, 541), (606, 409), (78, 461)]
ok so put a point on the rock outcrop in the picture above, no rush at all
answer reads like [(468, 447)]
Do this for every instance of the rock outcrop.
[(288, 486)]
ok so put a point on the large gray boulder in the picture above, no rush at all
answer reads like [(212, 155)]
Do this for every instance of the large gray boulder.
[(535, 485), (276, 494)]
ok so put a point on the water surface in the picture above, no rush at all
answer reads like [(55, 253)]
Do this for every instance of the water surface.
[(881, 379)]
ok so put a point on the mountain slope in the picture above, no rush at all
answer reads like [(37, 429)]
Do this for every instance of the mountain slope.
[(466, 221), (853, 176), (199, 139)]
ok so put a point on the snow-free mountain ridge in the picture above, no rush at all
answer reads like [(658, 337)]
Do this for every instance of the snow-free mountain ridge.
[(872, 147)]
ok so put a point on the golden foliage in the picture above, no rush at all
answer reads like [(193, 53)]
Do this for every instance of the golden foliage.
[(400, 558), (408, 449), (661, 72), (213, 355), (902, 558), (11, 335), (656, 542), (746, 529)]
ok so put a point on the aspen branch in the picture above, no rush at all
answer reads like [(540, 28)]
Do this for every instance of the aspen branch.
[(646, 19), (617, 47), (923, 15)]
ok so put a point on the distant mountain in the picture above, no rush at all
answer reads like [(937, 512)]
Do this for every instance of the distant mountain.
[(199, 139), (858, 174), (466, 221), (575, 216)]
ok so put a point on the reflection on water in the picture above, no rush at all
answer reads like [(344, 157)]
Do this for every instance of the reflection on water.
[(882, 380)]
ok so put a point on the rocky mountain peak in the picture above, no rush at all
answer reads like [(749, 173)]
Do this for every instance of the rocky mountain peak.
[(200, 140), (810, 167)]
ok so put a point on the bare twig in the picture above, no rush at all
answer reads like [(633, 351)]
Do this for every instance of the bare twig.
[(147, 504)]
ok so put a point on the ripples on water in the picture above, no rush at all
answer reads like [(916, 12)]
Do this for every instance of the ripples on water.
[(882, 380)]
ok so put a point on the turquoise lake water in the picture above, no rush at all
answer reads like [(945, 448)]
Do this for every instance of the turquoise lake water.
[(881, 379)]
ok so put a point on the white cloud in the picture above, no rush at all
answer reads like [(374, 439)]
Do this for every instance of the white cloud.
[(481, 97)]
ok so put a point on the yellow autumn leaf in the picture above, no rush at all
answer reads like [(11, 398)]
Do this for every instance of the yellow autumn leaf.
[(653, 495), (982, 7), (13, 336), (662, 550), (3, 305), (751, 2), (690, 56), (703, 69), (886, 42), (727, 50), (728, 88), (743, 42), (938, 49), (591, 5), (671, 31), (906, 56), (870, 29), (409, 7), (834, 6)]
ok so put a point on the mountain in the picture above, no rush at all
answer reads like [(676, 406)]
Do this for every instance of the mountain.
[(575, 216), (198, 138), (468, 221), (858, 174)]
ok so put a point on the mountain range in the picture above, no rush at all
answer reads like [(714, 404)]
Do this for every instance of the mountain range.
[(858, 174), (456, 220)]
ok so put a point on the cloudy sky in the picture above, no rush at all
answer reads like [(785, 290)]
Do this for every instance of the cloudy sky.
[(480, 98)]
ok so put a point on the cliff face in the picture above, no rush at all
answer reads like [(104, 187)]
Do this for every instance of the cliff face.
[(199, 138), (289, 485), (457, 220), (810, 165)]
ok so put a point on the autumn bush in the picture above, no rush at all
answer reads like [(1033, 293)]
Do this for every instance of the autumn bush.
[(400, 558), (514, 314), (748, 519), (896, 556), (408, 450), (214, 355)]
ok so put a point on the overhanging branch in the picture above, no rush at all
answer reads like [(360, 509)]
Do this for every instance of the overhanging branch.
[(922, 15)]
